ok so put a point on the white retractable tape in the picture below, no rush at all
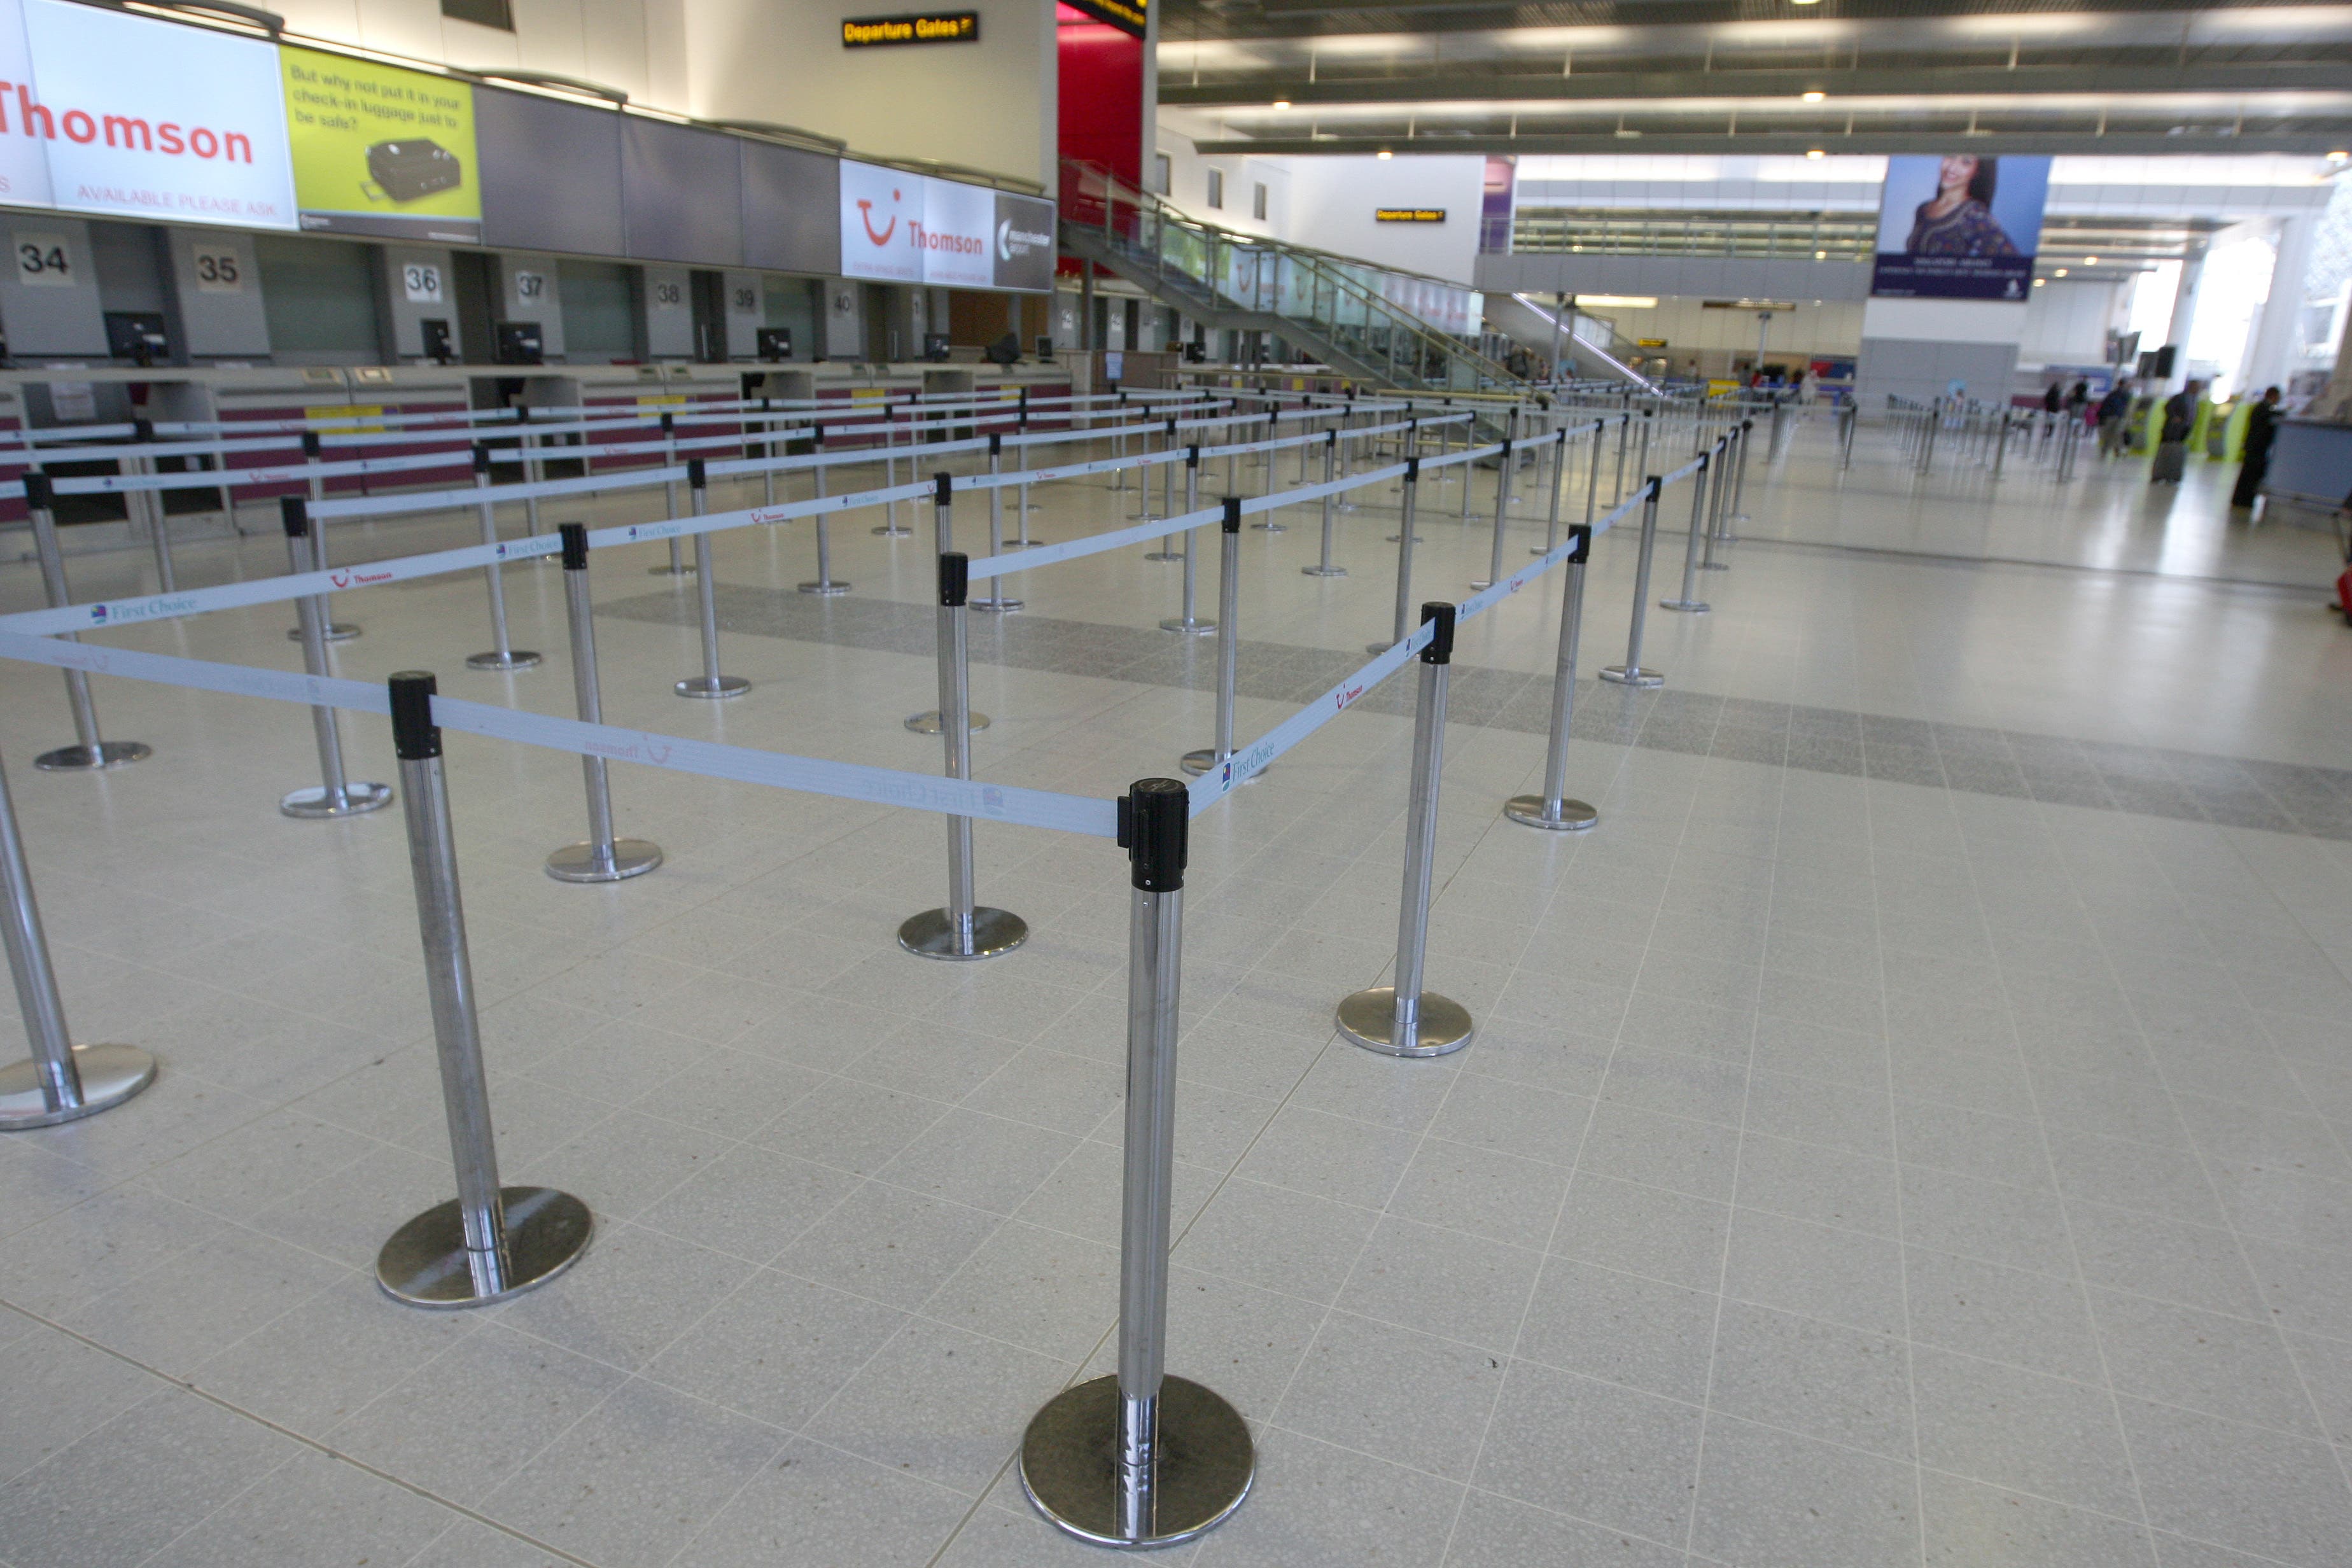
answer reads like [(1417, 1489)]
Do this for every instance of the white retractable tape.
[(169, 669), (1249, 761), (812, 775)]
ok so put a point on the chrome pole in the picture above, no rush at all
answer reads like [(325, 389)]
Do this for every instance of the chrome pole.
[(1502, 503), (60, 1081), (603, 857), (891, 527), (1404, 557), (709, 683), (1632, 672), (1266, 524), (1624, 429), (1402, 1019), (1189, 623), (825, 586), (502, 655), (1690, 603), (1739, 481), (1229, 599), (1718, 506), (1553, 809), (490, 1242), (997, 599), (150, 511), (1558, 466), (677, 566), (91, 750), (960, 929), (335, 631), (336, 794), (1140, 1458), (1330, 464)]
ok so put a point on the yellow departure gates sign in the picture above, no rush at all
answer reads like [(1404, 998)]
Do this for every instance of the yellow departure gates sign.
[(1408, 215), (923, 28)]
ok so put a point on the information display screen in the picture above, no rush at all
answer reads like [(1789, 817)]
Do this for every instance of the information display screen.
[(681, 193), (550, 174)]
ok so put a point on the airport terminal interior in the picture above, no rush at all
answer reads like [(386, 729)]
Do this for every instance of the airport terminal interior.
[(1265, 784)]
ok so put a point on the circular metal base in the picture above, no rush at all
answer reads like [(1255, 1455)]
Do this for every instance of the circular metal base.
[(928, 721), (517, 659), (712, 685), (583, 863), (684, 571), (355, 799), (1164, 555), (1070, 1467), (1619, 675), (1191, 628), (1417, 539), (1023, 544), (892, 530), (1270, 527), (83, 759), (338, 631), (1201, 762), (1369, 1018), (1574, 817), (1324, 571), (424, 1264), (993, 934), (1715, 565), (998, 603), (1685, 606), (825, 589), (110, 1075)]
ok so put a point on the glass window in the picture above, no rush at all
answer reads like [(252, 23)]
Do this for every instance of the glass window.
[(1257, 203), (1217, 188), (318, 296), (1161, 178), (481, 13), (600, 310)]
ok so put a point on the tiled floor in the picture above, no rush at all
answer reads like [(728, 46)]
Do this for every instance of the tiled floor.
[(1913, 1128)]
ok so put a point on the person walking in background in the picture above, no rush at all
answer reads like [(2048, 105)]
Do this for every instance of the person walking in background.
[(2115, 418), (2051, 402), (2172, 434), (2255, 452), (2078, 398)]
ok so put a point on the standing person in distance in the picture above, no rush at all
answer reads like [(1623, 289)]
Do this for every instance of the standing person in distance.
[(2254, 453), (2115, 417), (2172, 434)]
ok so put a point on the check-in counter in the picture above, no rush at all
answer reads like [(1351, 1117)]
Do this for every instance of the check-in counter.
[(2311, 466)]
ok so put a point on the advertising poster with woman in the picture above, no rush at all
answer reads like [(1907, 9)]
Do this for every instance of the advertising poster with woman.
[(1960, 226)]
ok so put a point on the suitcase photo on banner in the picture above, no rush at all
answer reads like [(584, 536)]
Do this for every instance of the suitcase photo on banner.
[(406, 171), (2171, 458)]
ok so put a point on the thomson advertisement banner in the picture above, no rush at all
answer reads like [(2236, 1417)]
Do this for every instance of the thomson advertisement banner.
[(902, 227), (1960, 226)]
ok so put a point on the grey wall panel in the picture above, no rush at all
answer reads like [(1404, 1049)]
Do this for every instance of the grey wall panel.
[(217, 291), (437, 273), (1714, 276), (1913, 368), (668, 299), (681, 194), (53, 318), (550, 174), (792, 209)]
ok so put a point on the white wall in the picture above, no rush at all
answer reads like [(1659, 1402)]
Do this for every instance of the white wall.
[(637, 45), (1830, 326), (2066, 321), (1946, 321)]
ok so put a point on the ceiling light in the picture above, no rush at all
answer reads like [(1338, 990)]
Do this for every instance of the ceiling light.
[(1820, 255), (1618, 301), (1384, 155), (1282, 103), (1815, 96), (1804, 2), (2038, 283), (2062, 272), (1815, 152), (2339, 157)]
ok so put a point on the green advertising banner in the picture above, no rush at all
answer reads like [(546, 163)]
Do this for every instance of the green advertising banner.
[(381, 151)]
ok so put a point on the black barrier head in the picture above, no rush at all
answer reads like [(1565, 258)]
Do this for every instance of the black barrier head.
[(942, 488), (1330, 438), (1580, 544), (481, 457), (1507, 446), (1441, 640), (1655, 486), (816, 432), (142, 429), (1750, 424), (955, 580), (668, 424), (415, 736), (522, 413), (996, 442), (1193, 455), (1413, 470), (697, 475), (294, 513), (38, 493), (1233, 522), (311, 445), (1155, 817), (574, 536)]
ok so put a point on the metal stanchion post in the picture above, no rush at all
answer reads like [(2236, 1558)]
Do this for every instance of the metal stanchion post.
[(1502, 503), (334, 630), (1551, 520), (1404, 543), (1167, 550), (1689, 603), (997, 599), (1402, 1019), (927, 722), (1330, 463), (1553, 809), (336, 794), (2001, 444), (60, 1081), (1632, 672), (766, 425), (825, 585), (150, 508), (501, 654), (1738, 513), (891, 527), (960, 929), (1229, 597), (1625, 429), (1266, 524), (1718, 504), (1927, 429), (677, 566), (602, 858), (1190, 624), (1140, 1457), (489, 1242), (709, 683), (91, 750)]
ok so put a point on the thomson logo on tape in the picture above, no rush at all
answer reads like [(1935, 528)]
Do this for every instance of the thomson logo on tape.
[(345, 579)]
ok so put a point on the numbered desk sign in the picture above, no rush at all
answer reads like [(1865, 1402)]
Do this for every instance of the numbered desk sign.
[(420, 281), (44, 260), (219, 269)]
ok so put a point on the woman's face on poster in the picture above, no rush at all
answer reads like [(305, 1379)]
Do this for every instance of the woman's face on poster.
[(1958, 169)]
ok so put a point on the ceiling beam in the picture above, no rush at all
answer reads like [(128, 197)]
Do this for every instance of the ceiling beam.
[(1964, 81), (2309, 144)]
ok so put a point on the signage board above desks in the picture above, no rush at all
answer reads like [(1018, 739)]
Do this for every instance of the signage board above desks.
[(1408, 215), (919, 28), (111, 113)]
